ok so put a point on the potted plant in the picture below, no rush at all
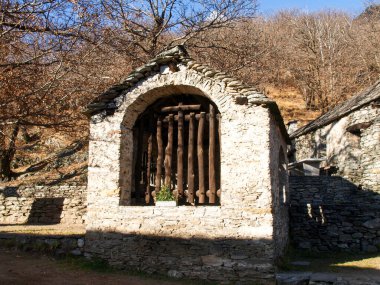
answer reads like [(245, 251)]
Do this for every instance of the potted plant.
[(165, 197)]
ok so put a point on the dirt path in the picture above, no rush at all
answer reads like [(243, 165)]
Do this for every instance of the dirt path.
[(27, 268)]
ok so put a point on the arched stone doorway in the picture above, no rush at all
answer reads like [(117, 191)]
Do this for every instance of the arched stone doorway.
[(176, 143)]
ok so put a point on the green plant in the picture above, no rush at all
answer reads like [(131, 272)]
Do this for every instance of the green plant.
[(165, 194)]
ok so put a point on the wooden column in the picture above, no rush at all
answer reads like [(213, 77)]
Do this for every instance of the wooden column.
[(150, 146), (160, 155), (190, 161), (211, 157), (180, 156), (139, 159), (218, 120), (169, 153), (201, 170)]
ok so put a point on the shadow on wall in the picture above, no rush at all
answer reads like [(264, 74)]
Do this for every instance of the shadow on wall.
[(25, 209), (218, 259), (7, 192), (214, 260), (46, 211), (329, 213)]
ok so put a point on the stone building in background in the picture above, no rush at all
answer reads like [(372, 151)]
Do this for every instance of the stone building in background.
[(217, 144), (344, 142), (335, 178)]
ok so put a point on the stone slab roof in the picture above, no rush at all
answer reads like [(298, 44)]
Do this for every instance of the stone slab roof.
[(178, 55), (358, 101)]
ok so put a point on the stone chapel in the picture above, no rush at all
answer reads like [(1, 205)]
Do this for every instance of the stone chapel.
[(217, 144)]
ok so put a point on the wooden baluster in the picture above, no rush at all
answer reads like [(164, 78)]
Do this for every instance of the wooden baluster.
[(180, 156), (139, 161), (219, 119), (150, 147), (159, 157), (169, 153), (201, 170), (190, 161), (211, 157)]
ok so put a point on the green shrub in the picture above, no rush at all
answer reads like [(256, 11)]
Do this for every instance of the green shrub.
[(165, 194)]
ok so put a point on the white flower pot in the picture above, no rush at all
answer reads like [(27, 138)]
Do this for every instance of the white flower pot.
[(166, 203)]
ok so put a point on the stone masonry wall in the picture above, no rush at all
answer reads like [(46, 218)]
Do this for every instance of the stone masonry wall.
[(356, 156), (331, 214), (280, 190), (233, 241), (43, 205), (59, 245)]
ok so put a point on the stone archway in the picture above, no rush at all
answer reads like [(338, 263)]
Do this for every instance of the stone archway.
[(138, 103), (176, 145)]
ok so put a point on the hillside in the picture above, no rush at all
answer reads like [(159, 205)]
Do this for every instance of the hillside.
[(55, 158), (59, 158), (320, 58), (291, 104)]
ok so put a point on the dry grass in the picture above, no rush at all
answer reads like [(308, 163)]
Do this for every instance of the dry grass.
[(59, 229), (364, 263), (291, 104), (338, 262)]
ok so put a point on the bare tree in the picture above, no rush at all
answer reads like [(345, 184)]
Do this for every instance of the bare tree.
[(240, 52), (39, 43), (367, 37), (141, 28), (323, 42), (56, 55)]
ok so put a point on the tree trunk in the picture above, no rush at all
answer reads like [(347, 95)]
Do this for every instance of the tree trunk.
[(7, 154)]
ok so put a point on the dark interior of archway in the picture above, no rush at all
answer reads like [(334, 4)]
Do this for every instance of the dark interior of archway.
[(157, 151)]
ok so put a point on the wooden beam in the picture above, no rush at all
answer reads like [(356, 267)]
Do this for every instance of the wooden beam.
[(211, 157), (181, 107), (186, 118), (190, 161), (201, 170), (180, 156), (169, 153), (159, 157)]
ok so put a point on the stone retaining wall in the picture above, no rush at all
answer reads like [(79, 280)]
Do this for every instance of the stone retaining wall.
[(56, 244), (43, 205), (331, 214)]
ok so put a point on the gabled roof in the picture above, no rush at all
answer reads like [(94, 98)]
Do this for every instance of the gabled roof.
[(178, 55), (175, 55), (354, 103)]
